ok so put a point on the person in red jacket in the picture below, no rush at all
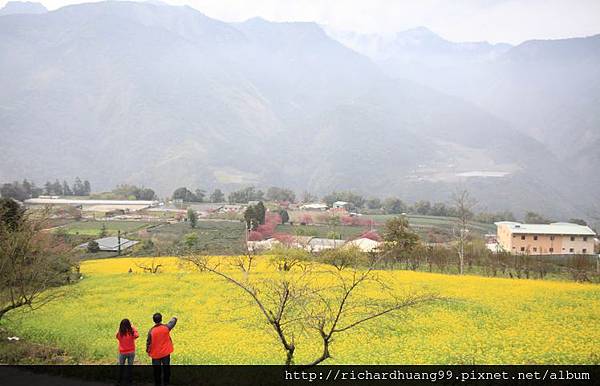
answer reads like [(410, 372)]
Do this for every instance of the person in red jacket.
[(159, 347), (126, 335)]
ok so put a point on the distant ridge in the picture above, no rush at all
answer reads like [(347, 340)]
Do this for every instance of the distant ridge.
[(22, 7), (164, 96)]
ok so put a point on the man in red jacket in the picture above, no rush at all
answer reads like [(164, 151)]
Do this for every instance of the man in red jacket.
[(160, 346)]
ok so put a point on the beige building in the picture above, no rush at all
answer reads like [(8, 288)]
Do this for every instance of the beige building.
[(545, 239)]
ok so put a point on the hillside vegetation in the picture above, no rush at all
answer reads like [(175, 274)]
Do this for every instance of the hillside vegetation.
[(175, 98)]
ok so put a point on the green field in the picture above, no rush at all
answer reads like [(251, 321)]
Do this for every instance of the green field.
[(92, 228), (214, 237), (346, 232), (423, 225), (420, 222), (482, 321)]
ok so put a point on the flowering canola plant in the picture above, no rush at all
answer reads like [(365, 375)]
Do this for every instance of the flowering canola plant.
[(481, 320)]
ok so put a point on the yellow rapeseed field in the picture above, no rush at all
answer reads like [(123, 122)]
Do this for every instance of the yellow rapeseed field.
[(482, 320)]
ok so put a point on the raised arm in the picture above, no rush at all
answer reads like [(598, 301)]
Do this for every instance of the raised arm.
[(172, 323)]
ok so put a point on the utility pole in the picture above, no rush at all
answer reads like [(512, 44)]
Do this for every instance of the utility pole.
[(119, 242)]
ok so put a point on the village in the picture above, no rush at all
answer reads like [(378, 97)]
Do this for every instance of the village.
[(134, 227)]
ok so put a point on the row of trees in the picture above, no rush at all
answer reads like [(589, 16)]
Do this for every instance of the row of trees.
[(28, 189), (133, 192), (242, 196), (198, 195)]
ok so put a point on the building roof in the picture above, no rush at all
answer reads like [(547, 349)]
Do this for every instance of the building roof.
[(340, 203), (364, 244), (314, 205), (65, 201), (326, 243), (557, 228)]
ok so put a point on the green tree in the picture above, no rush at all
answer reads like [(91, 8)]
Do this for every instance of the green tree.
[(103, 232), (192, 217), (78, 187), (190, 240), (11, 213), (374, 203), (200, 194), (392, 205), (243, 196), (87, 188), (399, 240), (356, 200), (184, 194), (261, 212), (57, 188), (93, 247), (14, 190), (280, 194), (285, 217), (66, 189), (422, 207), (250, 217), (217, 196)]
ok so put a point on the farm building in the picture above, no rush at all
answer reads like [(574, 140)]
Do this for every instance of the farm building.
[(111, 244), (95, 205), (318, 244), (365, 244), (231, 208), (559, 238), (341, 205), (316, 206), (311, 244)]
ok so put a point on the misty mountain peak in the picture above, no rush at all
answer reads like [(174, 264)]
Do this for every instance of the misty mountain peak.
[(22, 7), (419, 33)]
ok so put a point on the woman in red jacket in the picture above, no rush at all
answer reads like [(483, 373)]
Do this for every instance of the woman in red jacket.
[(126, 336)]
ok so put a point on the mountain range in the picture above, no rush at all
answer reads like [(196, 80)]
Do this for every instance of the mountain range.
[(164, 96)]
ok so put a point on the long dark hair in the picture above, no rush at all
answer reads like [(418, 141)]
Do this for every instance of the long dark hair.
[(125, 328)]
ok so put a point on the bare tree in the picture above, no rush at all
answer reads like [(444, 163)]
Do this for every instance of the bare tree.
[(151, 267), (31, 261), (309, 297), (464, 204)]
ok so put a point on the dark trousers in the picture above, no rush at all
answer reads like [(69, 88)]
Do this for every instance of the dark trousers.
[(162, 370), (125, 373)]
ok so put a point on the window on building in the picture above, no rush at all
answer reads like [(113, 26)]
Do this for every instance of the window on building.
[(551, 237), (535, 249), (584, 250), (584, 238), (522, 237), (571, 250), (535, 237), (572, 238), (551, 249), (522, 249)]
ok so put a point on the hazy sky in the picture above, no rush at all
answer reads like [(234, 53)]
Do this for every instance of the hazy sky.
[(511, 21)]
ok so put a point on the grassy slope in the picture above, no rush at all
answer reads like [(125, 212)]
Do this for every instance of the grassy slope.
[(488, 320)]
